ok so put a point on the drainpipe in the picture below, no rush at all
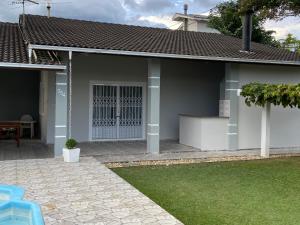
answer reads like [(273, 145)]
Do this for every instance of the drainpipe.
[(70, 96), (185, 8)]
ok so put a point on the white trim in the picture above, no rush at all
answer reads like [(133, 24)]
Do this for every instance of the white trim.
[(70, 55), (116, 83), (61, 73), (62, 84), (153, 86), (154, 77), (32, 66), (60, 136), (153, 125), (60, 126), (117, 140), (232, 89), (232, 134), (232, 125), (161, 55), (232, 81), (153, 134)]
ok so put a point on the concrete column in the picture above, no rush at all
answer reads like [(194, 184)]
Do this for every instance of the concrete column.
[(153, 107), (61, 112), (265, 131), (232, 85)]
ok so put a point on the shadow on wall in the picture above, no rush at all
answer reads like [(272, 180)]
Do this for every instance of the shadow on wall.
[(19, 94)]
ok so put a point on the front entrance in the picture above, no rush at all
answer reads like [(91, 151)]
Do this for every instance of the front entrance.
[(117, 111)]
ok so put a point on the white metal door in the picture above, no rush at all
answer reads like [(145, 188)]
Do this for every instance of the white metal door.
[(117, 112)]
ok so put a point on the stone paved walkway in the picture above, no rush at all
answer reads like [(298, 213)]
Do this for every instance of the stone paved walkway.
[(82, 193)]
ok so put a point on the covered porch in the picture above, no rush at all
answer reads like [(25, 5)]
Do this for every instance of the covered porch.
[(126, 98)]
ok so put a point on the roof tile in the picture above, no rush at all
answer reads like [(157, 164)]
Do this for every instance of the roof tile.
[(41, 30)]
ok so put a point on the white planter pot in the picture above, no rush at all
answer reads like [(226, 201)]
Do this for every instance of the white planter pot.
[(71, 155)]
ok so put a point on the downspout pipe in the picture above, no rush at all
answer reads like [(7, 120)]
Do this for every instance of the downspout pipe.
[(247, 30), (70, 95)]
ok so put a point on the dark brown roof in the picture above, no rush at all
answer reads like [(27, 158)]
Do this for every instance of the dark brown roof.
[(12, 46), (14, 50), (54, 31)]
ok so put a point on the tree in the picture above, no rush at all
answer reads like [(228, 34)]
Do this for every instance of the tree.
[(272, 9), (226, 18), (291, 43), (265, 95)]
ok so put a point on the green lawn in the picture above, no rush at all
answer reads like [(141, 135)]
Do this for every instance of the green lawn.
[(262, 192)]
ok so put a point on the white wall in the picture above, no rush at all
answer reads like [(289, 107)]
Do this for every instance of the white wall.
[(47, 118), (203, 27), (43, 106), (190, 87), (199, 26), (285, 123)]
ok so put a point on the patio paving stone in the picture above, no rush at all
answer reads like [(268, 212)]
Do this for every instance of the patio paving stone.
[(82, 193)]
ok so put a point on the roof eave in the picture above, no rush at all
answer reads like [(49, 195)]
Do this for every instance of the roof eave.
[(162, 55), (31, 66)]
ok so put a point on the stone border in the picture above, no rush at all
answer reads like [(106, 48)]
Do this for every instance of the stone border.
[(194, 161)]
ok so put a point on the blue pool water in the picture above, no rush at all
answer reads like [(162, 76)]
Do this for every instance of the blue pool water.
[(15, 211)]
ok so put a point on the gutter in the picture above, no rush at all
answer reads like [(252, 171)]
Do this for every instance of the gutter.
[(161, 55), (32, 66)]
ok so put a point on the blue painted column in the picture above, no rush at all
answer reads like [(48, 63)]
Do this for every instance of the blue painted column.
[(61, 112), (153, 106), (232, 85)]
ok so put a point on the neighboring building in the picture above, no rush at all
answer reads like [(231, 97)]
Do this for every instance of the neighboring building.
[(107, 82), (198, 23)]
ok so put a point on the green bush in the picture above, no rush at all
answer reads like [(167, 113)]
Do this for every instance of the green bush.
[(71, 144), (287, 95)]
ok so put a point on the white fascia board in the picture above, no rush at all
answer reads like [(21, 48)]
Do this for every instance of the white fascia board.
[(162, 55), (32, 66)]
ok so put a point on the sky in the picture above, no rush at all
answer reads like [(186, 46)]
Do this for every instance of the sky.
[(156, 13)]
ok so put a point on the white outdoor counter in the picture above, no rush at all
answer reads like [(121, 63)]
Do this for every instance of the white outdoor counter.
[(205, 133)]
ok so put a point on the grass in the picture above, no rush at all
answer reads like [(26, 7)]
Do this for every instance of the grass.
[(262, 192)]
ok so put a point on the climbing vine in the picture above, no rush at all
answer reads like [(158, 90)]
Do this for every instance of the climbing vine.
[(277, 94)]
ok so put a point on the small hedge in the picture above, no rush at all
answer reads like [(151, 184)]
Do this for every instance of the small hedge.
[(277, 94), (71, 144)]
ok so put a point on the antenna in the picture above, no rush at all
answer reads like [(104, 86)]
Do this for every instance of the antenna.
[(49, 8), (18, 2)]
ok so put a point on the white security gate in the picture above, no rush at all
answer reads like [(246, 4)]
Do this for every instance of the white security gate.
[(117, 112)]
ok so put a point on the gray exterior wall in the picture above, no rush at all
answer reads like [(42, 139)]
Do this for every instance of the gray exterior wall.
[(19, 94), (285, 123), (187, 87)]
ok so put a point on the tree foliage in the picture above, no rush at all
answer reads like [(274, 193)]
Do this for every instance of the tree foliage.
[(291, 43), (277, 94), (226, 18), (271, 9)]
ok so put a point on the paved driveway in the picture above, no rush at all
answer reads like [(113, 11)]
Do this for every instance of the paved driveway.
[(82, 193)]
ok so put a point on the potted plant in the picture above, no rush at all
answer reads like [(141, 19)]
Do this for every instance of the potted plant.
[(70, 152)]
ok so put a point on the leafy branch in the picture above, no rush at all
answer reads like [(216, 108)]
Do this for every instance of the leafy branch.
[(277, 94)]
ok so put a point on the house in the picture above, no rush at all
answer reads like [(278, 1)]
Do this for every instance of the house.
[(100, 82), (195, 22)]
